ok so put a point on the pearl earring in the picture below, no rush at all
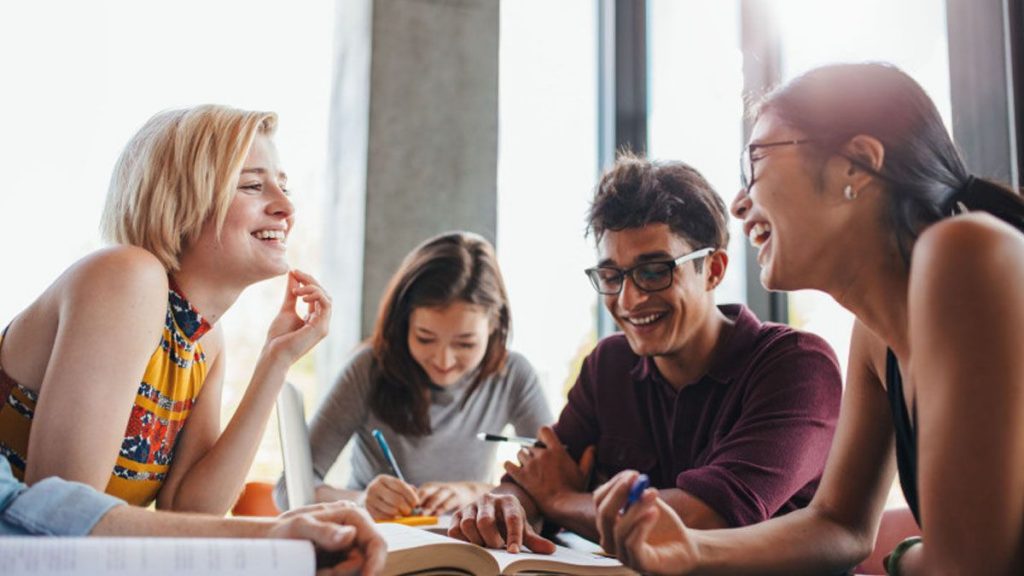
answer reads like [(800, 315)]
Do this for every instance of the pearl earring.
[(849, 192)]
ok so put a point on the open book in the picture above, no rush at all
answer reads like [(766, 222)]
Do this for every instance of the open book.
[(44, 556), (421, 552)]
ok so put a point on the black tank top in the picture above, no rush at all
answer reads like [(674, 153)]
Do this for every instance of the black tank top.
[(906, 438)]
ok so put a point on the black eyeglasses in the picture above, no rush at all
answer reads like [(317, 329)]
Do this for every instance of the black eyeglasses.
[(747, 158), (647, 276)]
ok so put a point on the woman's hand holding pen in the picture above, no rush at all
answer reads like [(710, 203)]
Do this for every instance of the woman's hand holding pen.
[(388, 497), (648, 536)]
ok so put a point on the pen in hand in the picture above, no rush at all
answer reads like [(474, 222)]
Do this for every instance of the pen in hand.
[(392, 463), (641, 483)]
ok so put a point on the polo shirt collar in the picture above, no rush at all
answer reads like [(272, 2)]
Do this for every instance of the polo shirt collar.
[(725, 365), (731, 356)]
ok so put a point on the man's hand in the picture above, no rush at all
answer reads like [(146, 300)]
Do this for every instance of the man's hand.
[(345, 539), (387, 497), (649, 537), (549, 473), (498, 521)]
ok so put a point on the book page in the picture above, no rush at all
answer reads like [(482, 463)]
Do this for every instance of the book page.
[(415, 549), (563, 560), (400, 537), (44, 556)]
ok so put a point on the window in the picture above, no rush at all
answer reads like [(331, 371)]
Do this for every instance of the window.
[(696, 105), (547, 169)]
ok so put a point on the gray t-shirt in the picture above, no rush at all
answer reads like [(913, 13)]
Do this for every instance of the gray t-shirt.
[(451, 452)]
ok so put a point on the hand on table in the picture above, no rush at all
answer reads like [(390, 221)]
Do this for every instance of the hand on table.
[(437, 498), (344, 537), (498, 521)]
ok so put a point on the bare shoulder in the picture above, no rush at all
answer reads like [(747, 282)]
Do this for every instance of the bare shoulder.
[(116, 272), (964, 298), (121, 263), (968, 249), (123, 281)]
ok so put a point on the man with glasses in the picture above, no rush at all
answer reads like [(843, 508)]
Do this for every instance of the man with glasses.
[(730, 418)]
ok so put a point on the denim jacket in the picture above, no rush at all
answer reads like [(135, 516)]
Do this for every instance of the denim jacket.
[(50, 507)]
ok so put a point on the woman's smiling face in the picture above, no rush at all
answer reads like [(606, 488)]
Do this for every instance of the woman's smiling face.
[(787, 213), (252, 242), (449, 341)]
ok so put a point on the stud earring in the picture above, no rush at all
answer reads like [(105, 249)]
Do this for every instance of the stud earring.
[(849, 193)]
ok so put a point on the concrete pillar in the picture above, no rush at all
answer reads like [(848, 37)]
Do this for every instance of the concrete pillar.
[(413, 147), (981, 78)]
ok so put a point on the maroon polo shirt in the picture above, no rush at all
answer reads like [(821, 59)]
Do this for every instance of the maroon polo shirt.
[(749, 438)]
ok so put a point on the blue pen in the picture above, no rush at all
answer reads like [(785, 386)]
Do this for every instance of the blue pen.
[(391, 461), (641, 483), (387, 454)]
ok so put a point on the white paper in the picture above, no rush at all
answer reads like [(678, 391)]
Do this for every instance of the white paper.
[(44, 556)]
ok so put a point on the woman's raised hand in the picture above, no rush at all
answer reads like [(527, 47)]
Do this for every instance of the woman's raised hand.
[(290, 336)]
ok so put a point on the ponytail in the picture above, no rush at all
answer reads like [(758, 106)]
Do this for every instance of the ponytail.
[(981, 195)]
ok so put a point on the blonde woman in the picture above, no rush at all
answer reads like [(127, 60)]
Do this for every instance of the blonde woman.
[(113, 376)]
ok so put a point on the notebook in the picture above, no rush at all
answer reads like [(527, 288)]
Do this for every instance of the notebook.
[(422, 552), (49, 556), (298, 457)]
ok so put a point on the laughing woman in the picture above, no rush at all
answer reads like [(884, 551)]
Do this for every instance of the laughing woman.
[(113, 376), (436, 374), (853, 187)]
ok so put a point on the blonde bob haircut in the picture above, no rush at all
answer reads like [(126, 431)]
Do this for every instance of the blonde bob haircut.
[(179, 170)]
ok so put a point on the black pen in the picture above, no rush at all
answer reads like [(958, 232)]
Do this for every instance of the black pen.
[(523, 440)]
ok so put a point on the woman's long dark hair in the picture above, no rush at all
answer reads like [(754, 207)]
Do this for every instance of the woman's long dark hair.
[(452, 267), (925, 175)]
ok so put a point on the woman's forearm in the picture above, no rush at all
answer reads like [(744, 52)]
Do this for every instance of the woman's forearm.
[(802, 542), (134, 521), (213, 483)]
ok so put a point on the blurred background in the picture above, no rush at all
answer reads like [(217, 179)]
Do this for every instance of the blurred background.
[(400, 119)]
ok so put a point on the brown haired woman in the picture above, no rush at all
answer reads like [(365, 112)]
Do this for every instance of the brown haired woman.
[(854, 187), (436, 373)]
